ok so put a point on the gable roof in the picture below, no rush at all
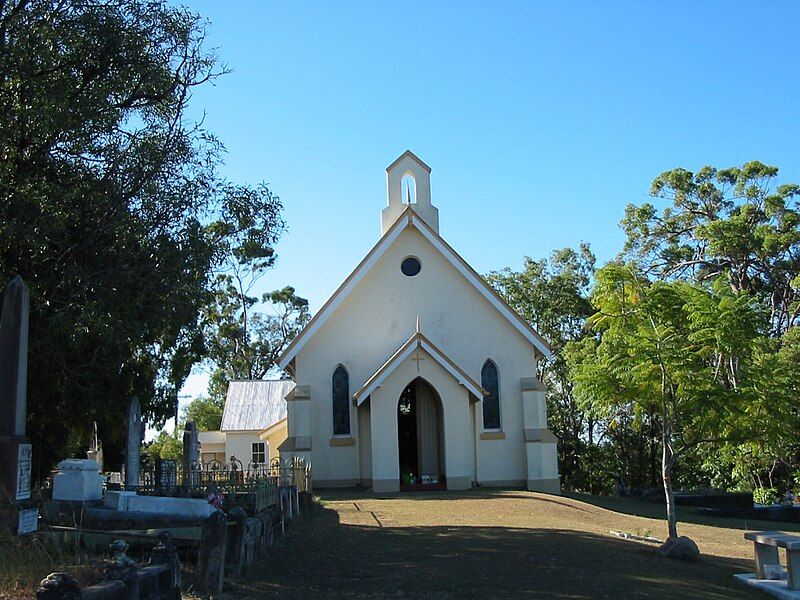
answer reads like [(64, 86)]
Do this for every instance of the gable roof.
[(412, 156), (410, 219), (418, 340), (255, 405)]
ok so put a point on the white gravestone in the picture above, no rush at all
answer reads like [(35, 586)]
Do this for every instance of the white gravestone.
[(24, 465), (27, 521), (79, 480), (130, 501)]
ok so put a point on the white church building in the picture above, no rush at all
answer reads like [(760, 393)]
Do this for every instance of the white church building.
[(415, 374)]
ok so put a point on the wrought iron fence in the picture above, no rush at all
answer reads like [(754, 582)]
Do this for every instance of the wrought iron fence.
[(167, 477)]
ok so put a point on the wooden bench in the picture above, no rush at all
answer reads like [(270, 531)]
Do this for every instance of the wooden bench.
[(766, 551)]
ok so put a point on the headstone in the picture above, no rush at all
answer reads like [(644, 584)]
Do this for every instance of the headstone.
[(211, 554), (15, 450), (122, 567), (236, 540), (27, 521), (191, 454), (95, 451), (133, 443), (165, 553), (166, 475)]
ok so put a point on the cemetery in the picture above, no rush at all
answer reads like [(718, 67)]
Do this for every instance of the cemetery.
[(217, 518), (157, 530), (399, 300)]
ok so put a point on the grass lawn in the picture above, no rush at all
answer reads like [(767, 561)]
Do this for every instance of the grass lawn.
[(494, 544)]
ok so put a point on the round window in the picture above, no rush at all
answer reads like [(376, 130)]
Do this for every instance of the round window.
[(410, 266)]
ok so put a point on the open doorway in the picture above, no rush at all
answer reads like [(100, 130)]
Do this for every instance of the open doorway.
[(420, 437)]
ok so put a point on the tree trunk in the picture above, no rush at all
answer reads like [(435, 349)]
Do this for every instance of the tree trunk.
[(653, 449), (667, 460)]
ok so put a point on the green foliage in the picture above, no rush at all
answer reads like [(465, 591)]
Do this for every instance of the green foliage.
[(166, 445), (113, 210), (671, 348), (243, 343), (767, 496), (737, 226), (553, 296), (206, 412), (735, 223)]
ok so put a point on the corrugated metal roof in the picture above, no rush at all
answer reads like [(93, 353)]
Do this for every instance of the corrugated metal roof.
[(255, 405)]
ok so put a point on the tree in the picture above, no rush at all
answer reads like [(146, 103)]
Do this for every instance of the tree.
[(166, 445), (735, 223), (112, 209), (739, 224), (206, 412), (553, 296), (243, 343), (678, 345)]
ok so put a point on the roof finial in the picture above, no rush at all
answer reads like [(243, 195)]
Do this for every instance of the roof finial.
[(419, 324)]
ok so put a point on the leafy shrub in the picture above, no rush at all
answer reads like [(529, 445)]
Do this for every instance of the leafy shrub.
[(765, 495)]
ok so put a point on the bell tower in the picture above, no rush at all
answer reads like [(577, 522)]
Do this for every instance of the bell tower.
[(408, 181)]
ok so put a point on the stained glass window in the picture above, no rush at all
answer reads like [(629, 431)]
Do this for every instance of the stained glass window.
[(491, 403), (341, 401)]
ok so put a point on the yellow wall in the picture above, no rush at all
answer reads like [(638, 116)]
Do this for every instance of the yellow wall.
[(274, 436)]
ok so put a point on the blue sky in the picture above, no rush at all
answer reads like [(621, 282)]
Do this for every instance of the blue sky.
[(541, 121)]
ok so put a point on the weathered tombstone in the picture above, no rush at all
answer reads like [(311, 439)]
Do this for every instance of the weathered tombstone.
[(166, 475), (28, 520), (95, 451), (15, 450), (211, 554), (236, 540), (191, 454), (133, 443)]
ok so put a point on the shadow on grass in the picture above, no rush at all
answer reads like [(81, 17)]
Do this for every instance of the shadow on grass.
[(322, 558), (686, 514)]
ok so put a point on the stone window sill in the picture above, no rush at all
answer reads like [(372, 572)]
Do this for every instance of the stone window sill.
[(493, 435), (343, 441)]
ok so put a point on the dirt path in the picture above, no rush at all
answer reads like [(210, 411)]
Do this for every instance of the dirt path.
[(507, 544)]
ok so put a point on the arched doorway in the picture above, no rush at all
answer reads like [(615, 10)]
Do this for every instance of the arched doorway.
[(420, 437)]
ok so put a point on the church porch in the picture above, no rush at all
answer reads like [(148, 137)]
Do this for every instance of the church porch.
[(435, 439)]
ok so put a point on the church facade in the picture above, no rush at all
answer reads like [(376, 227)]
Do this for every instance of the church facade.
[(416, 374)]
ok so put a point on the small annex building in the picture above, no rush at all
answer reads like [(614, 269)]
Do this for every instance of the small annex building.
[(416, 374), (253, 423)]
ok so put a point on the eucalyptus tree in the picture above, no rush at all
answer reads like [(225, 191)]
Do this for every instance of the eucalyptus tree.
[(738, 223), (246, 334)]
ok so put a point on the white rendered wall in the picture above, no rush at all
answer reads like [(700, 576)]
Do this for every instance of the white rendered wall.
[(377, 318), (211, 442), (458, 441), (240, 445)]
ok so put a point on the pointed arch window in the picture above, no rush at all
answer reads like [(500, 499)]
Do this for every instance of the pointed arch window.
[(408, 189), (491, 403), (340, 386)]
